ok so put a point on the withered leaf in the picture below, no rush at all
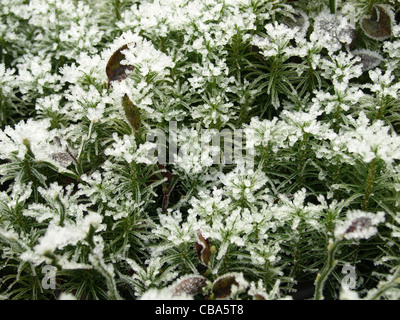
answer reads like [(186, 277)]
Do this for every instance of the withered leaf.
[(222, 287), (369, 59), (203, 248), (132, 113), (168, 186), (115, 70), (359, 224), (378, 25), (190, 285), (63, 158), (165, 173)]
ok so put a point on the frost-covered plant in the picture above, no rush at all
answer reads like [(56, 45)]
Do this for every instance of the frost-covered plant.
[(205, 149)]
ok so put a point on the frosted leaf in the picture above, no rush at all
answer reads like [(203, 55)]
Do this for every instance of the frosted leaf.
[(228, 285), (132, 113), (58, 237), (115, 70), (298, 19), (208, 204), (202, 248), (348, 294), (35, 75), (258, 291), (125, 149), (190, 285), (164, 294), (223, 248), (365, 141), (66, 296), (384, 84), (20, 193), (277, 40), (37, 136), (331, 31), (7, 79), (63, 158), (147, 59), (378, 25), (242, 184), (369, 59), (359, 225), (174, 230)]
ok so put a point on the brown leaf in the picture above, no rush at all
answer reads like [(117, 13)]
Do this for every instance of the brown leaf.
[(165, 173), (115, 70), (369, 59), (190, 285), (62, 158), (203, 249), (168, 186), (378, 25), (132, 113), (222, 287)]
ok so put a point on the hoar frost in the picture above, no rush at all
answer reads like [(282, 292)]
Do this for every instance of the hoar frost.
[(203, 149)]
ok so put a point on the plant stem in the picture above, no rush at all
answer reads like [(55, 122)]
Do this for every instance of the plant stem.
[(332, 6), (326, 270), (337, 117), (116, 10), (369, 183), (381, 110), (336, 179), (302, 158), (62, 211), (28, 169), (3, 115), (162, 44), (370, 6)]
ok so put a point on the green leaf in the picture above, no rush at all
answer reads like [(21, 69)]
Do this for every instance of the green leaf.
[(115, 70), (132, 113), (378, 25)]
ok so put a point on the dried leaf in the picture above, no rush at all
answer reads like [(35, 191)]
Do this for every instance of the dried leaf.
[(168, 186), (132, 113), (63, 158), (258, 296), (191, 284), (203, 248), (165, 173), (369, 59), (222, 287), (115, 70), (378, 25)]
